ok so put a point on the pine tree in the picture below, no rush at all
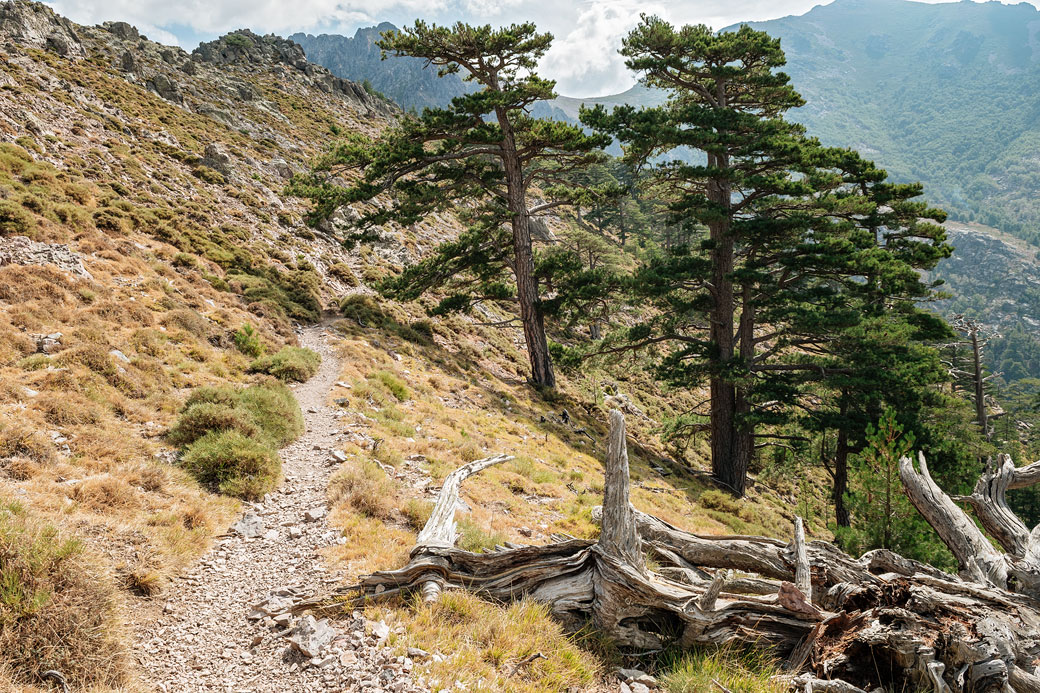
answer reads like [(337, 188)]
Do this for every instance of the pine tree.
[(483, 157), (883, 517), (792, 251)]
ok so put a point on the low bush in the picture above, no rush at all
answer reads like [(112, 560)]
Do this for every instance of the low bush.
[(248, 341), (233, 464), (290, 364), (219, 423), (15, 220), (362, 309), (275, 411), (199, 419)]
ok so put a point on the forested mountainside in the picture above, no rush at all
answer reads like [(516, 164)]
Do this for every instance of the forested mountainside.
[(940, 93), (943, 93)]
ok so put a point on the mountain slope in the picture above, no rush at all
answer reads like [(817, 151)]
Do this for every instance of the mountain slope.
[(405, 80), (941, 93)]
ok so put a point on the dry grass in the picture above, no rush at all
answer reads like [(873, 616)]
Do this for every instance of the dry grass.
[(58, 610), (491, 647)]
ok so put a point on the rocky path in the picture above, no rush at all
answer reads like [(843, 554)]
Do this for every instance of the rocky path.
[(222, 626)]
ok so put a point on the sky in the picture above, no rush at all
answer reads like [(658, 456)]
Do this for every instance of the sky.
[(583, 59)]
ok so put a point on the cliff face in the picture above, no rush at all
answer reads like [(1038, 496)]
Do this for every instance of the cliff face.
[(992, 277), (405, 80)]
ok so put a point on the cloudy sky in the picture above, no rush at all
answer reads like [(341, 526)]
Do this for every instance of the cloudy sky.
[(583, 59)]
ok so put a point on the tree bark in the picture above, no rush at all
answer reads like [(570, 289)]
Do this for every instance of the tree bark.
[(727, 463), (841, 471), (531, 316), (980, 385)]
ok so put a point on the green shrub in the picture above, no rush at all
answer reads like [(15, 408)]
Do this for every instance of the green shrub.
[(15, 220), (233, 464), (248, 341), (288, 364), (185, 260), (267, 412), (276, 412), (363, 309), (393, 384), (342, 272), (200, 419)]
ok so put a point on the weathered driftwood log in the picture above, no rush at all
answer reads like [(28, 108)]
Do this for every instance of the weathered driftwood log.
[(843, 625)]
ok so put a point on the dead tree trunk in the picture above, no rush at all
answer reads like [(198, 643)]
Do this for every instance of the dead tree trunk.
[(843, 625)]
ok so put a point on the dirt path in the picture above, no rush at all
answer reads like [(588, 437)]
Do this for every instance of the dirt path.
[(211, 634)]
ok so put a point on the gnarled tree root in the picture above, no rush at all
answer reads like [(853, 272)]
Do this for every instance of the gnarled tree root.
[(842, 625)]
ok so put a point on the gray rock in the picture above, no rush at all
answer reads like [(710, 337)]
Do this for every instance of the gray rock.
[(311, 637), (217, 159), (339, 456), (61, 44), (34, 24), (281, 169), (315, 514), (380, 630), (249, 526), (638, 687), (416, 653), (629, 674), (166, 88), (20, 250), (127, 63), (116, 353), (125, 31)]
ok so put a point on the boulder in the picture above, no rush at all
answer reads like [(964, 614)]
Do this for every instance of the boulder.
[(311, 636)]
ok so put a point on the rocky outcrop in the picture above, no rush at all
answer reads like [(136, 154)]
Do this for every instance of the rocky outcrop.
[(19, 250), (36, 25), (246, 47)]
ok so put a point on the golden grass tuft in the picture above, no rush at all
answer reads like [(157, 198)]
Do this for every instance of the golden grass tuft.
[(57, 609), (741, 671), (365, 488), (491, 643)]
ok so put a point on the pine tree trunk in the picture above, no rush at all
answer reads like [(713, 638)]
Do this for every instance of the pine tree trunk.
[(841, 472), (730, 448), (724, 468), (523, 264), (841, 481), (980, 387)]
